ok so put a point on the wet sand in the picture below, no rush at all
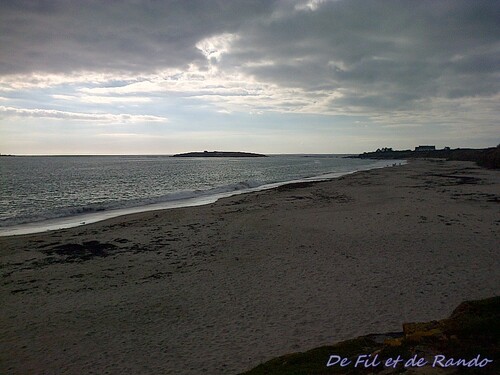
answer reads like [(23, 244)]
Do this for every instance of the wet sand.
[(220, 288)]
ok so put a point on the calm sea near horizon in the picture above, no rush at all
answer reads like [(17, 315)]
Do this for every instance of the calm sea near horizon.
[(48, 192)]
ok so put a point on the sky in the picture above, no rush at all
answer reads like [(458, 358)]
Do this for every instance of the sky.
[(285, 76)]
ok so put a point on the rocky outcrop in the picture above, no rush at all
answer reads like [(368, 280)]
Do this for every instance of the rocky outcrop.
[(486, 157), (465, 343)]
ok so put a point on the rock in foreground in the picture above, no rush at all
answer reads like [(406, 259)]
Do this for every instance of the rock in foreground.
[(465, 343)]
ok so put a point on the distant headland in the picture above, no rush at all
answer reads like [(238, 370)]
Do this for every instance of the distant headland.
[(485, 157), (219, 154)]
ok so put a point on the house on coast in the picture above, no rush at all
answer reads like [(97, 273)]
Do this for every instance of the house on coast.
[(425, 148)]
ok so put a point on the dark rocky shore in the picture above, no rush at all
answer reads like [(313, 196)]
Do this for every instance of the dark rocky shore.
[(486, 157), (465, 343), (219, 154)]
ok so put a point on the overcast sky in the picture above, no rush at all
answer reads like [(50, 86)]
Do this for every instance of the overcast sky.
[(308, 76)]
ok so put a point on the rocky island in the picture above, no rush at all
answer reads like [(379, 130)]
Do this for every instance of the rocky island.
[(219, 154)]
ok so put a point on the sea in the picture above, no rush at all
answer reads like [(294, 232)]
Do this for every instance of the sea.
[(40, 193)]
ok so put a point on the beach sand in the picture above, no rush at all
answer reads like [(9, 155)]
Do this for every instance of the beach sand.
[(220, 288)]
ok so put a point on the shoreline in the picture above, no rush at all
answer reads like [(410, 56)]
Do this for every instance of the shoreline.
[(223, 287), (204, 198)]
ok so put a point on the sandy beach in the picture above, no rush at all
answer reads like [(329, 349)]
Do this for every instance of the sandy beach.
[(218, 289)]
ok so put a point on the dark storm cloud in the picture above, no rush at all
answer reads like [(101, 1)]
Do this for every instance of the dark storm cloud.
[(377, 54), (402, 50), (62, 36)]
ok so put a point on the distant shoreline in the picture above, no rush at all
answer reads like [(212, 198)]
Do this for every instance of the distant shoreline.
[(485, 157)]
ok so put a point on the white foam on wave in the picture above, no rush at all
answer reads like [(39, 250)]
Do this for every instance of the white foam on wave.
[(115, 206)]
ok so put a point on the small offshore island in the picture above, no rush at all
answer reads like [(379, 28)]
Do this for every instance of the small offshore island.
[(219, 154)]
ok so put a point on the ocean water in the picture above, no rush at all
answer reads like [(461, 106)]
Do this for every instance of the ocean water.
[(48, 192)]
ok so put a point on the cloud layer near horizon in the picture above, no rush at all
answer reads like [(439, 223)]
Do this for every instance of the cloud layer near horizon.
[(399, 63)]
